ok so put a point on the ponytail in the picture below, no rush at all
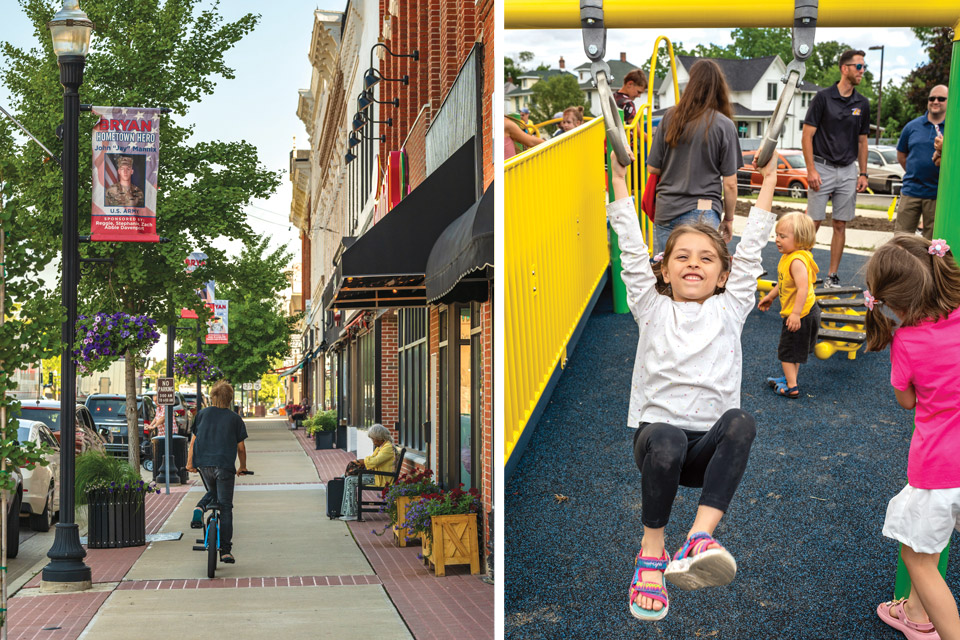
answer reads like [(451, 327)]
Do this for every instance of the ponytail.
[(946, 284), (879, 330)]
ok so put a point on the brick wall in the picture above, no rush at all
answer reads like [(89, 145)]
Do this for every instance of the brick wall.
[(485, 33), (389, 372)]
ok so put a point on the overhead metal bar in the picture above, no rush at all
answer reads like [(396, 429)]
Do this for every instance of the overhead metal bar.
[(659, 14)]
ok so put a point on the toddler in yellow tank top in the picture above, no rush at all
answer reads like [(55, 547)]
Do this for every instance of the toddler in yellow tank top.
[(796, 274)]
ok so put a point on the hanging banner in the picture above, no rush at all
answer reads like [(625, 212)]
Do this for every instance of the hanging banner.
[(126, 153), (206, 294), (217, 330)]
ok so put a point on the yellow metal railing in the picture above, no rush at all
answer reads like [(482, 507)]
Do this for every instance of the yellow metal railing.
[(555, 242), (534, 129)]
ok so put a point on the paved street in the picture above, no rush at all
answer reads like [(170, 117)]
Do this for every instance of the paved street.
[(298, 574)]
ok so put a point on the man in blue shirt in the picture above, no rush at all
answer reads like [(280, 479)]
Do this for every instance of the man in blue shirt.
[(915, 152)]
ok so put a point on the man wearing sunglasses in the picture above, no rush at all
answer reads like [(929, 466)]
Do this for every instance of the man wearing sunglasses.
[(916, 152), (834, 144)]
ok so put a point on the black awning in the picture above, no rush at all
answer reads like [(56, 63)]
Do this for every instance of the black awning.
[(461, 262), (386, 266)]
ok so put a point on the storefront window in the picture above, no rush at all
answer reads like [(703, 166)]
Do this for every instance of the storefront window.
[(466, 426), (412, 355)]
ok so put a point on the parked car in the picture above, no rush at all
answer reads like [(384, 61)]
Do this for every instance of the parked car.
[(884, 173), (181, 411), (41, 485), (48, 412), (191, 399), (14, 500), (109, 410), (791, 174)]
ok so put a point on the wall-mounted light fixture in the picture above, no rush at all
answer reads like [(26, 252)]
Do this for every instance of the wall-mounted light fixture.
[(366, 99), (356, 139), (349, 157), (373, 76)]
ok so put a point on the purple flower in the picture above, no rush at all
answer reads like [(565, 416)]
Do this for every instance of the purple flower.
[(124, 334)]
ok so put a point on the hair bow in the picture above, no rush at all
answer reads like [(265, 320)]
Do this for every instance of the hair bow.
[(938, 247), (658, 257), (869, 301)]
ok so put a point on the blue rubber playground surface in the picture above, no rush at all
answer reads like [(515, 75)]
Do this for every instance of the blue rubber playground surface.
[(804, 526)]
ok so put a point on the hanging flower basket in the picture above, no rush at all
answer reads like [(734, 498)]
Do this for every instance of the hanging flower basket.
[(189, 365), (103, 338)]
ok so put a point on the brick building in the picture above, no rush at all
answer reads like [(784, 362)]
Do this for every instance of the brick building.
[(394, 202)]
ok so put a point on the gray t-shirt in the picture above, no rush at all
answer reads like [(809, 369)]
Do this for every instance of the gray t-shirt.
[(218, 432), (692, 170)]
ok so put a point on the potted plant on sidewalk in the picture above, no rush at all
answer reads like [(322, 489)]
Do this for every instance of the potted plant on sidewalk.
[(400, 495), (322, 427), (114, 494), (447, 525)]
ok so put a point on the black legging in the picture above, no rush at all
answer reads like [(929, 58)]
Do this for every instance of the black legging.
[(668, 457)]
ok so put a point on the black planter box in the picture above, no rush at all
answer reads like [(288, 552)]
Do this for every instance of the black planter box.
[(323, 439), (115, 519)]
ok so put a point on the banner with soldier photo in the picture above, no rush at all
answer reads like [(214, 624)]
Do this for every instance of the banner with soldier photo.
[(217, 328), (126, 152)]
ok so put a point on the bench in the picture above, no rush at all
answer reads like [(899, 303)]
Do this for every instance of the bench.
[(373, 506)]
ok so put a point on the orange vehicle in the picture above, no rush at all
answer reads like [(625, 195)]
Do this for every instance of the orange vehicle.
[(791, 174)]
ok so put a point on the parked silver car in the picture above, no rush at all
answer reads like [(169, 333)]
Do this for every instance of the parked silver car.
[(884, 173)]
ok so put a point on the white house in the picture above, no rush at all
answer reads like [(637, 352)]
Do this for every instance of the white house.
[(755, 87), (517, 96)]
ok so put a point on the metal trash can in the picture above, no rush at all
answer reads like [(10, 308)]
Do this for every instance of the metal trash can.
[(179, 446)]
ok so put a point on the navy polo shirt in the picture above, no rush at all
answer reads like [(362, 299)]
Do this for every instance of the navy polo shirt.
[(840, 121), (922, 176)]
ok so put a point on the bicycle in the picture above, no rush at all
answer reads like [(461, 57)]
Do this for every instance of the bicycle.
[(211, 532)]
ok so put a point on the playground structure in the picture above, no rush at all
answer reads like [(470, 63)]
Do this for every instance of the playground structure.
[(555, 234)]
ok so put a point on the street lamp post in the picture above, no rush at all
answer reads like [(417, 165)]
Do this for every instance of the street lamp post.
[(70, 30), (880, 90)]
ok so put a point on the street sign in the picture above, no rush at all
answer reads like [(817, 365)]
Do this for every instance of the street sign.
[(165, 392), (247, 386), (256, 386)]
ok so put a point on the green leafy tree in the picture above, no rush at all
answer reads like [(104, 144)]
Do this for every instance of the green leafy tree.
[(556, 94), (259, 328), (760, 42), (145, 54), (938, 42), (29, 315)]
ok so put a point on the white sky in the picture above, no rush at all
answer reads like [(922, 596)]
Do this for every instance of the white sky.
[(902, 54), (258, 106)]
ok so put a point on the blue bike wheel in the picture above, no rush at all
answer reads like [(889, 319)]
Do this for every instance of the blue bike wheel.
[(212, 541)]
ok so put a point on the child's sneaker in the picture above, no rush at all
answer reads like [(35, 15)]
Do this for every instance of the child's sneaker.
[(197, 522), (832, 281)]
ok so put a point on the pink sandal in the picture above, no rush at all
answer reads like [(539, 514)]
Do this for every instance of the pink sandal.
[(912, 630), (652, 590)]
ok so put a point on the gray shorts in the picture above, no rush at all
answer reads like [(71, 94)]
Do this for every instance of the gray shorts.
[(840, 185)]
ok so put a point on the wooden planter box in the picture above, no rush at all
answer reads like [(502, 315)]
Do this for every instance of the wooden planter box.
[(115, 519), (454, 542), (400, 532), (323, 439)]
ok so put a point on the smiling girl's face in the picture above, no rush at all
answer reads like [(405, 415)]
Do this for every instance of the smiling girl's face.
[(694, 268)]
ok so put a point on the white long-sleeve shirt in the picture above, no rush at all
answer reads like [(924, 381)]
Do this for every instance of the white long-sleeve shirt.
[(689, 361)]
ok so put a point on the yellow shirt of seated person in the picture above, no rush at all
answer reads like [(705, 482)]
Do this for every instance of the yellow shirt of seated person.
[(384, 454)]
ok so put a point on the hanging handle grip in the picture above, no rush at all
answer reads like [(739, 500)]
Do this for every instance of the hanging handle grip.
[(594, 45), (772, 136)]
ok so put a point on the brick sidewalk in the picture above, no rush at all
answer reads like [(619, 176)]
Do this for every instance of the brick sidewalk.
[(64, 616), (458, 605)]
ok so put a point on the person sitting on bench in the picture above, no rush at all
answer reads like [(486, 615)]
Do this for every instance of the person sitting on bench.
[(383, 458)]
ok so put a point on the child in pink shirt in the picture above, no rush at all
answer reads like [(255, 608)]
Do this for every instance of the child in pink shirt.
[(919, 282)]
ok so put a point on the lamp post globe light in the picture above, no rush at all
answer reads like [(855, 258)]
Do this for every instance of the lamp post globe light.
[(70, 30)]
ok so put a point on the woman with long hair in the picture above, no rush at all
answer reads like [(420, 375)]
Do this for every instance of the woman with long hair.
[(695, 151)]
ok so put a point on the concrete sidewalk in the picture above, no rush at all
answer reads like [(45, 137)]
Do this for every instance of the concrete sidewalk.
[(298, 574)]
